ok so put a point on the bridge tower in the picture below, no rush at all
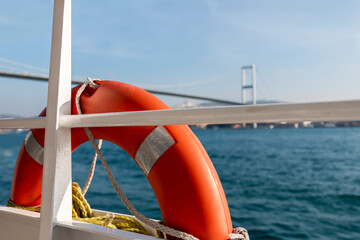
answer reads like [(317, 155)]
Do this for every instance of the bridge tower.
[(251, 86)]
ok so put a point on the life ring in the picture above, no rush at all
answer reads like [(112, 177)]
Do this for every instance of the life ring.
[(182, 176)]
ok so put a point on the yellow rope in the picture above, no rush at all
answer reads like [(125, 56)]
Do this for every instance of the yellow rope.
[(81, 211), (82, 207), (9, 203)]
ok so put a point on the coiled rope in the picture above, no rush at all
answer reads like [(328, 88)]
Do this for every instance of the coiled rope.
[(10, 203), (81, 211)]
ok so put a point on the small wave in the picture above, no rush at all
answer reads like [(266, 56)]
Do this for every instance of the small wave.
[(6, 153), (350, 198)]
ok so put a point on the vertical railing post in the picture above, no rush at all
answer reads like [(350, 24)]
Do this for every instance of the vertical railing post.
[(56, 186)]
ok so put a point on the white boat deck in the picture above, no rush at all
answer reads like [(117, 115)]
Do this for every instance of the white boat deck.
[(17, 224)]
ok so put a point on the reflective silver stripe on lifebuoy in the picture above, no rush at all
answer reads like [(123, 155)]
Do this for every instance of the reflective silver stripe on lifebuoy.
[(33, 148), (151, 149)]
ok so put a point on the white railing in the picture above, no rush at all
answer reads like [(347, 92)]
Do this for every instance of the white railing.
[(56, 196), (56, 201), (269, 113), (24, 123)]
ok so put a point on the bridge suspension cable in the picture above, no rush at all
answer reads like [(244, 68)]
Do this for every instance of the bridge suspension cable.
[(46, 79)]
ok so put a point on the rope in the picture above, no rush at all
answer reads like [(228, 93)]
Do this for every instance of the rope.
[(81, 211), (239, 233), (10, 203), (92, 84), (120, 193), (92, 170)]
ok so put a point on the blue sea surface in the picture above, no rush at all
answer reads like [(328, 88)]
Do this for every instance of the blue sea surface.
[(280, 183)]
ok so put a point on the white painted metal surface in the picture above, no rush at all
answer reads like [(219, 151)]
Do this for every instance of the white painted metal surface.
[(56, 202), (291, 112), (269, 113), (76, 230), (17, 224), (25, 123)]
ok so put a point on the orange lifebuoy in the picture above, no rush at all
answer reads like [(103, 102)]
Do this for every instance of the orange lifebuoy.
[(177, 166)]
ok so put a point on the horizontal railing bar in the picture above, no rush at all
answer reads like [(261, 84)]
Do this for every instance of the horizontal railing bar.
[(23, 123), (269, 113)]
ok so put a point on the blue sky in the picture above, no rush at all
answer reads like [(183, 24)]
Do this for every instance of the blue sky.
[(304, 50)]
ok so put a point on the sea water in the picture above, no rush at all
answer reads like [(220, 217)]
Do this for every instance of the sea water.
[(280, 183)]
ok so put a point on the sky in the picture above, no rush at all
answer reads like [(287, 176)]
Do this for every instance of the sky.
[(304, 51)]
